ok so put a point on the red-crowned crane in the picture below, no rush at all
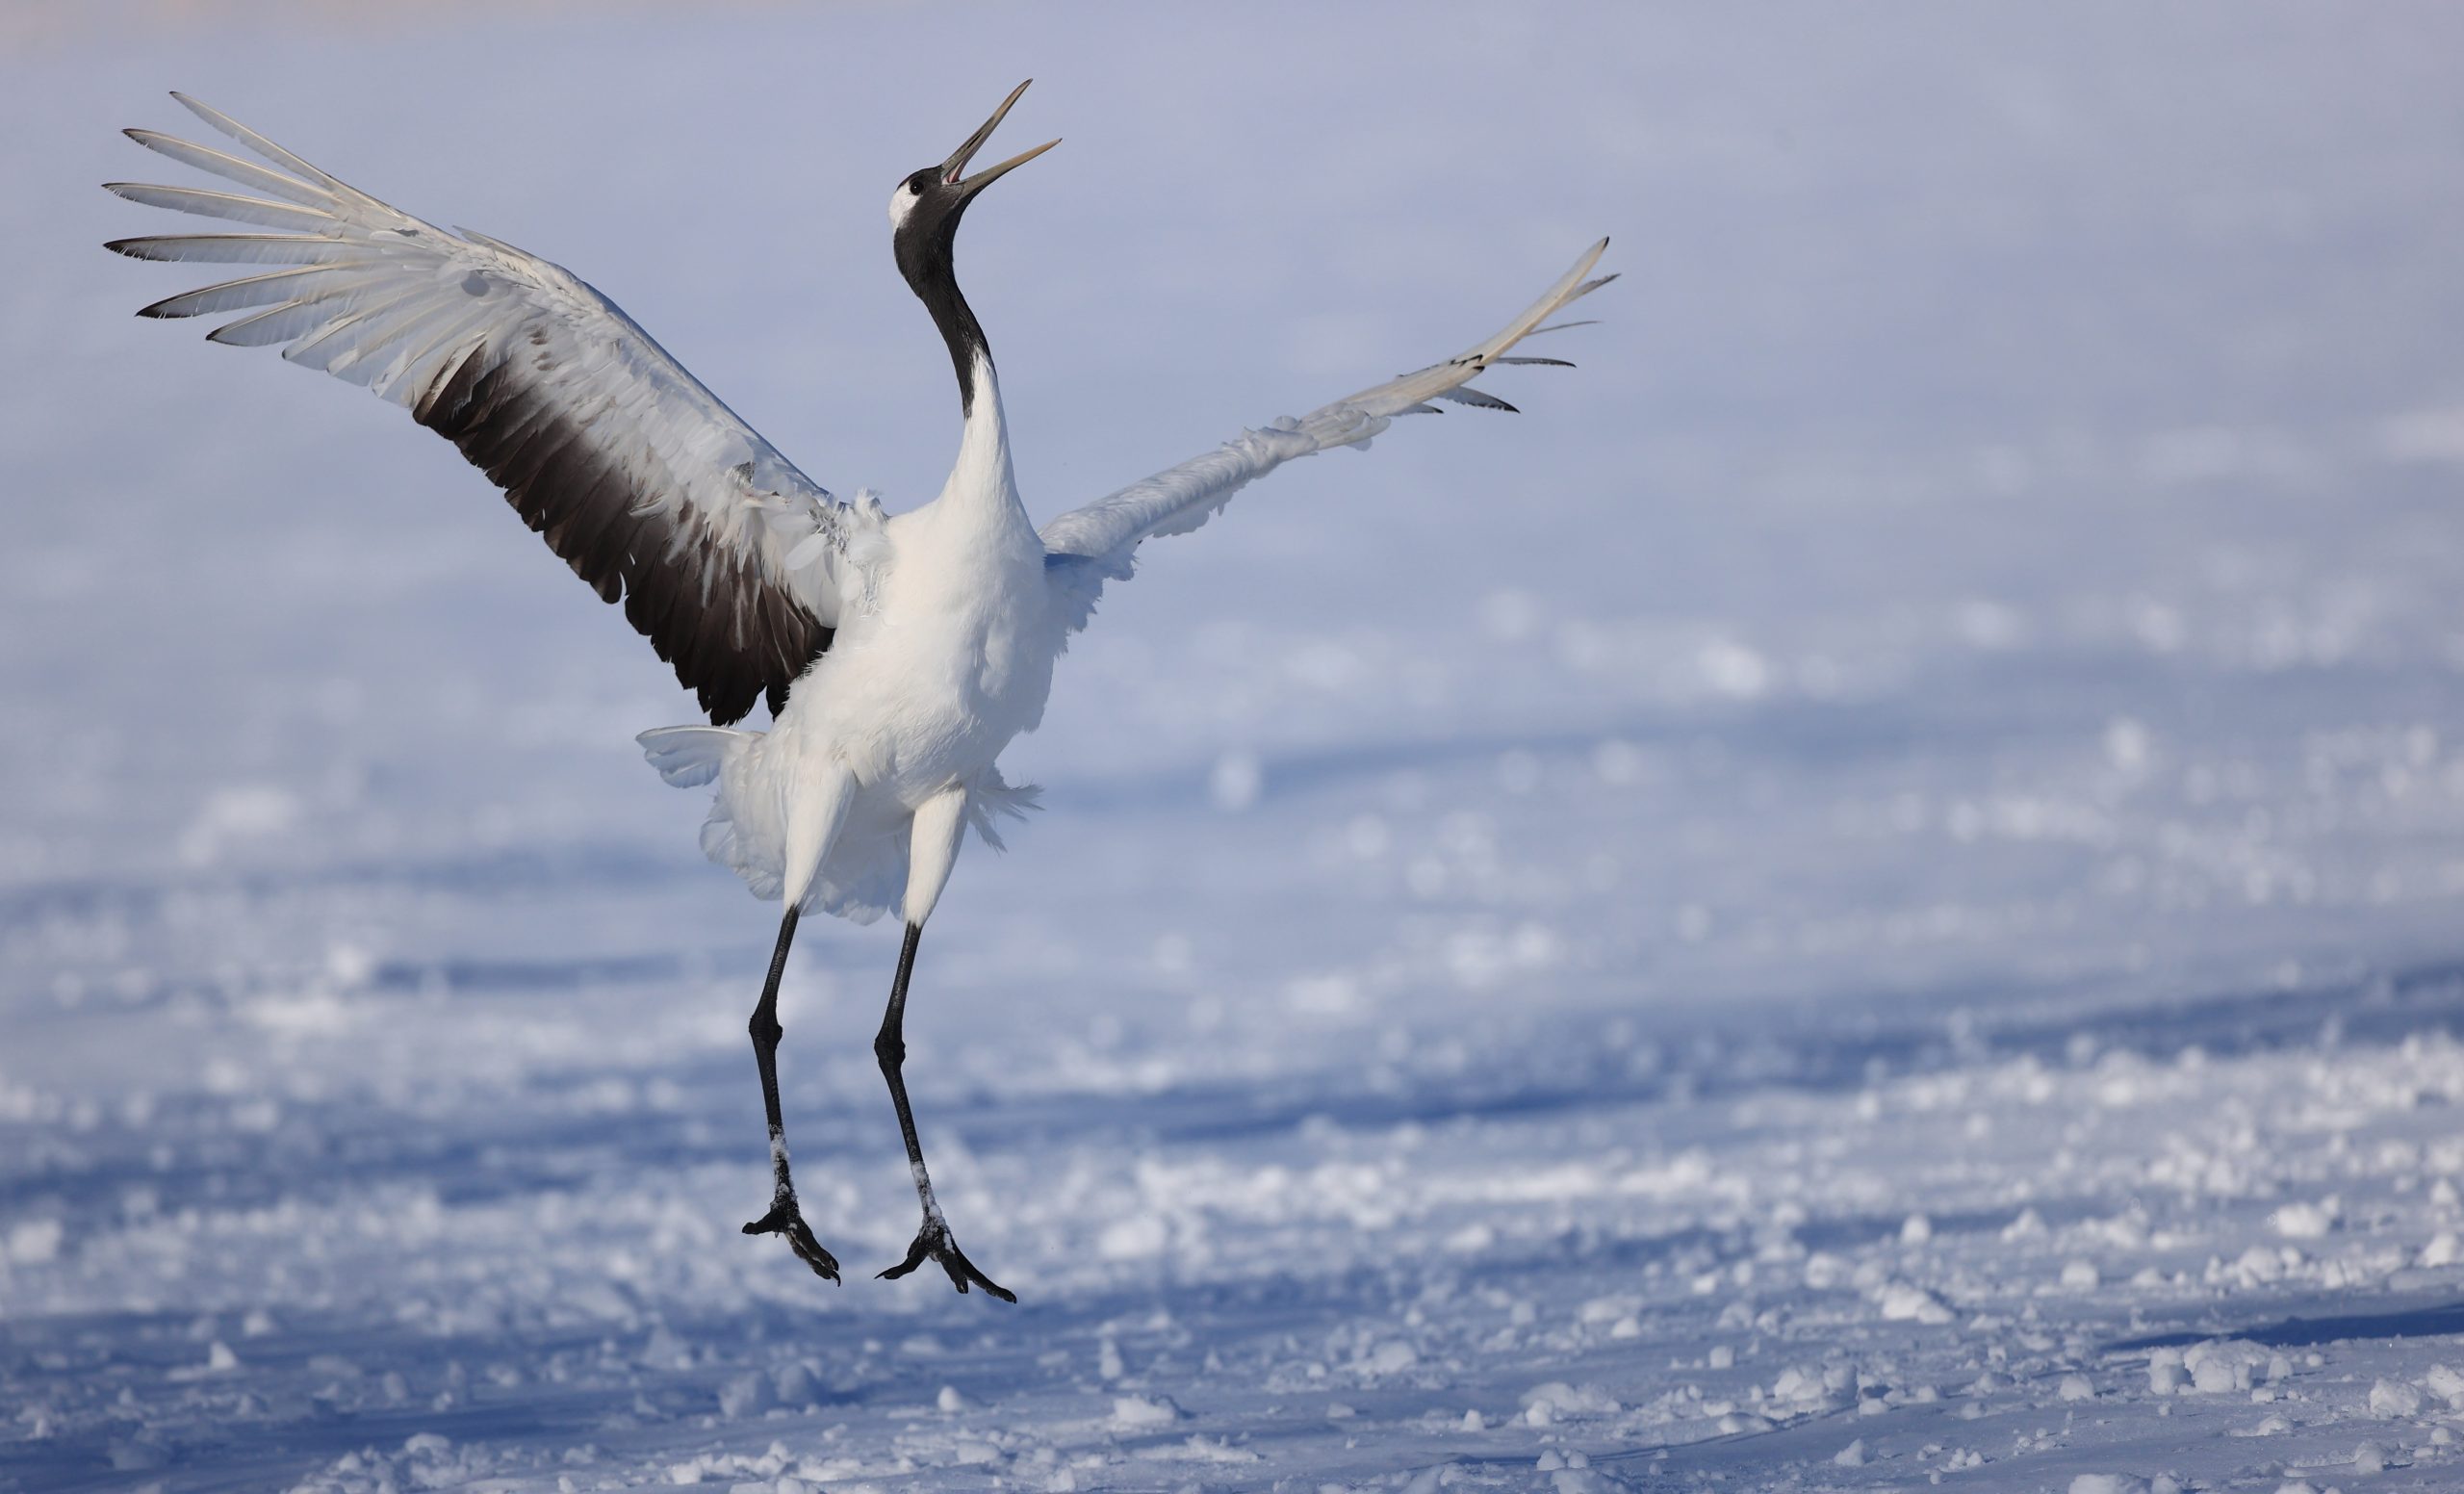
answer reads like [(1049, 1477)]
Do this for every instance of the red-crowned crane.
[(898, 654)]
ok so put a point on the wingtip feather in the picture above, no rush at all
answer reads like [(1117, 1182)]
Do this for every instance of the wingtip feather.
[(267, 148), (1476, 398)]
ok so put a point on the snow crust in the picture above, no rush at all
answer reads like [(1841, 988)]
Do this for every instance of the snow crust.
[(1864, 898)]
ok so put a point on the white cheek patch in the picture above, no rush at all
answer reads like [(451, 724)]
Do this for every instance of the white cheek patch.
[(901, 203)]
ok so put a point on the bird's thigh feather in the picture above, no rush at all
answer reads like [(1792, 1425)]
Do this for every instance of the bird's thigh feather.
[(933, 850), (816, 810)]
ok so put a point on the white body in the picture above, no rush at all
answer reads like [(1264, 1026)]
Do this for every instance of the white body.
[(943, 654)]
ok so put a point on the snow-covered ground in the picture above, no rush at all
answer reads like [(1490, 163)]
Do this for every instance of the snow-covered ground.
[(1871, 894)]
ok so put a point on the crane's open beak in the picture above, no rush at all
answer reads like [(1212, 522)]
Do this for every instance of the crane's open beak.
[(965, 153)]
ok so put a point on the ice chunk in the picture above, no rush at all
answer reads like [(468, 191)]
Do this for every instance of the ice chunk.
[(2445, 1384), (1902, 1302), (1556, 1400), (2306, 1220), (1146, 1412), (2393, 1397), (34, 1243)]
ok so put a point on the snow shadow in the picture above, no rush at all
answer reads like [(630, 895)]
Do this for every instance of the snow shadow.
[(2437, 1322)]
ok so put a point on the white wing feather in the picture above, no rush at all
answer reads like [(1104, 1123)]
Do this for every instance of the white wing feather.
[(727, 558), (1098, 542)]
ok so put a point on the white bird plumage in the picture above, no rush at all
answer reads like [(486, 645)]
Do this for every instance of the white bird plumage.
[(899, 654)]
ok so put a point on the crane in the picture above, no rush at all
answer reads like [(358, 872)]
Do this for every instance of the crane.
[(897, 655)]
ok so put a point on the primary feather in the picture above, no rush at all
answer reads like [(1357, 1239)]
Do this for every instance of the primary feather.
[(724, 554), (1099, 542)]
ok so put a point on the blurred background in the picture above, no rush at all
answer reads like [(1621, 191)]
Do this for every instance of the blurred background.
[(1985, 606)]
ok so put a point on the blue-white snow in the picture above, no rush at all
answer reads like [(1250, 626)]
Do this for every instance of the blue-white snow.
[(1867, 895)]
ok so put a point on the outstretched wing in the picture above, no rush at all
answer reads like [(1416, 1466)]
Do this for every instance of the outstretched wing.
[(1088, 546), (728, 558)]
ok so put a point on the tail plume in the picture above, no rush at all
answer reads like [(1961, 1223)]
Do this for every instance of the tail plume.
[(690, 756)]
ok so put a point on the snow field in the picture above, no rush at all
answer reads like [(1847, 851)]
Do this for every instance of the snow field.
[(1863, 898)]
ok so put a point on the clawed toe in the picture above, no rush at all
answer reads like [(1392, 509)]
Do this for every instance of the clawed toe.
[(786, 1219), (932, 1242)]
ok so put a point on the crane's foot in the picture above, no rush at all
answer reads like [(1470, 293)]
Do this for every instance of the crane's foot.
[(786, 1219), (932, 1242)]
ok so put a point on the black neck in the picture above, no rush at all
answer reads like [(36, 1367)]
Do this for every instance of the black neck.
[(924, 258)]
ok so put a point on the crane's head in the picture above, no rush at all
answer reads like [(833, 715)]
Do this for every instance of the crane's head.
[(924, 211)]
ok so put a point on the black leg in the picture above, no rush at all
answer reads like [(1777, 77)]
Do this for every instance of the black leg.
[(933, 1241), (784, 1218)]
